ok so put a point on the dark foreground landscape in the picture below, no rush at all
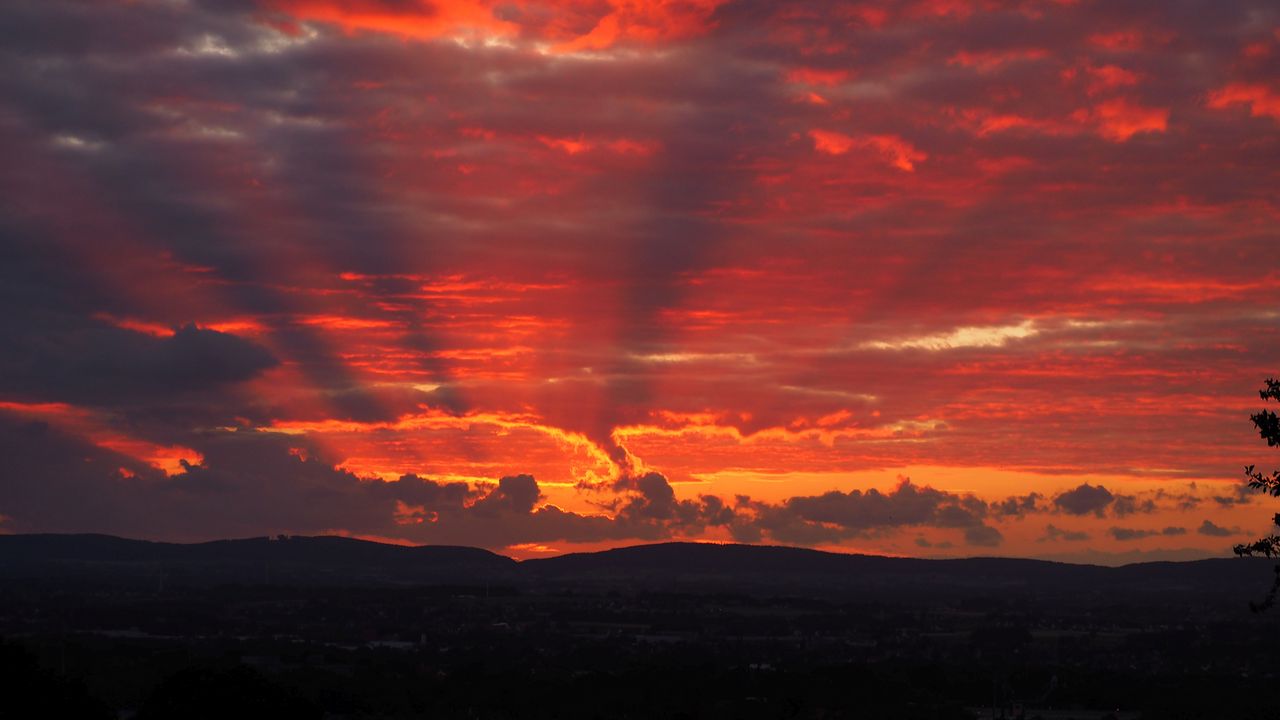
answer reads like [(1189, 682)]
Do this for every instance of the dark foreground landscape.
[(100, 627)]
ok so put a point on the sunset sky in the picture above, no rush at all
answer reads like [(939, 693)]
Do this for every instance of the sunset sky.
[(916, 277)]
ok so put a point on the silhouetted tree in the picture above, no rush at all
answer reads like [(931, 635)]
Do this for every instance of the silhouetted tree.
[(1268, 424)]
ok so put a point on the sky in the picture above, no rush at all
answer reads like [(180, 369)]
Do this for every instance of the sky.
[(913, 277)]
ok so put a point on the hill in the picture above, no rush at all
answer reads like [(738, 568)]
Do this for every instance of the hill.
[(693, 566), (326, 560), (683, 567)]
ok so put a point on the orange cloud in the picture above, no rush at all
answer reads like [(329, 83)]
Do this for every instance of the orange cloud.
[(591, 464)]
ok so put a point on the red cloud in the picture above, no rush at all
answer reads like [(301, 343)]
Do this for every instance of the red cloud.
[(1120, 119), (896, 151), (571, 146), (421, 19), (988, 60), (1262, 100), (570, 25), (1108, 77), (813, 76), (647, 21)]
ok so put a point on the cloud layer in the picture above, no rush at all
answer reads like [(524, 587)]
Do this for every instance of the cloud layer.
[(718, 269)]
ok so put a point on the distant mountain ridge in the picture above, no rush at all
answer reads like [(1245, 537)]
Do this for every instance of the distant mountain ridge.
[(694, 567)]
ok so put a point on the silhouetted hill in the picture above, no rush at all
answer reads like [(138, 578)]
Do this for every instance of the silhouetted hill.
[(686, 567), (287, 560), (692, 566)]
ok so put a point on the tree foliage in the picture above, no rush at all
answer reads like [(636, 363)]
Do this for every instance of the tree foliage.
[(1268, 425)]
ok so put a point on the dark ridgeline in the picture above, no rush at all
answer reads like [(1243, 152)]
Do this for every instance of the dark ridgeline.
[(768, 569), (695, 567), (326, 627), (326, 560)]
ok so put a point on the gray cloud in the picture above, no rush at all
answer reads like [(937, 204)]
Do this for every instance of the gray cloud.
[(1212, 529), (1084, 500), (1126, 534), (834, 516), (1124, 505), (1052, 533), (1018, 506), (983, 536)]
